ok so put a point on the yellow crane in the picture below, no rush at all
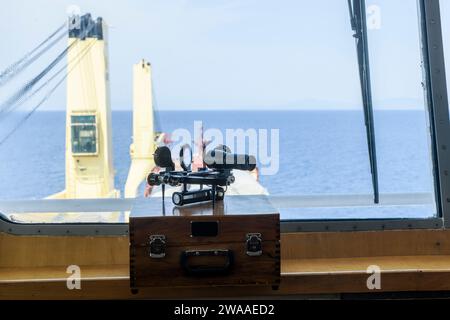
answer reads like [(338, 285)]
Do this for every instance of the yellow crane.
[(142, 147), (89, 157)]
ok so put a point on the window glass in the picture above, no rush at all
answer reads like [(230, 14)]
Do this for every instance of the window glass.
[(283, 72), (84, 136), (400, 113)]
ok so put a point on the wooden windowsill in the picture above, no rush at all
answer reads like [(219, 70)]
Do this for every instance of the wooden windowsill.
[(306, 276), (58, 274), (337, 266), (34, 267), (289, 268)]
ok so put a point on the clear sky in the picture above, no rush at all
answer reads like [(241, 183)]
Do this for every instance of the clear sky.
[(236, 54)]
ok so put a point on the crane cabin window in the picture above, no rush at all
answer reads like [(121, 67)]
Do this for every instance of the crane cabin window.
[(84, 134)]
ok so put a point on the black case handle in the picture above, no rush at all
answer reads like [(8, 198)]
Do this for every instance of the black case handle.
[(204, 270)]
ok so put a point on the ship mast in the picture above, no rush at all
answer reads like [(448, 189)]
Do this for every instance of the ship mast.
[(142, 147), (89, 157)]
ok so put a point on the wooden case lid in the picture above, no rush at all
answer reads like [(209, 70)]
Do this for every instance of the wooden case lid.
[(231, 205)]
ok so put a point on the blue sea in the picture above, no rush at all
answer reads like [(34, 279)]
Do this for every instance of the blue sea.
[(320, 153)]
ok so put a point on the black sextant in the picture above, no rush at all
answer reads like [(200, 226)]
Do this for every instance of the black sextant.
[(213, 179)]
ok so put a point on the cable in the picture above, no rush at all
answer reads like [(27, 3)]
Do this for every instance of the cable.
[(29, 85), (26, 88), (14, 69), (24, 98), (42, 101), (31, 112)]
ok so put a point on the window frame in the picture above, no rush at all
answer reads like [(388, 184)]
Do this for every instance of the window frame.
[(436, 98), (435, 84), (435, 88)]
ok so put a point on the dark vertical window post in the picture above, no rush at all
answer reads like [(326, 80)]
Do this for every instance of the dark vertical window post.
[(436, 96)]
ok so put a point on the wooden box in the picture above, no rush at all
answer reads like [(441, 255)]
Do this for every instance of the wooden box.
[(237, 243)]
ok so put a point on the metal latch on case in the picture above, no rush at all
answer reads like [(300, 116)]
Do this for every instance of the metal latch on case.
[(157, 246), (254, 244)]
